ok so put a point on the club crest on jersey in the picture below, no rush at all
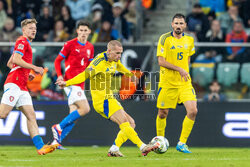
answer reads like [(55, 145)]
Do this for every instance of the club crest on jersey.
[(88, 52), (185, 46), (20, 46), (162, 50), (11, 98)]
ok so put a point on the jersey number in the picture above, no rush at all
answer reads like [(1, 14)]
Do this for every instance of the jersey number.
[(180, 56), (82, 62)]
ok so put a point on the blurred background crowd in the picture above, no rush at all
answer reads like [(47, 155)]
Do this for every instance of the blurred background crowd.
[(57, 18), (133, 21)]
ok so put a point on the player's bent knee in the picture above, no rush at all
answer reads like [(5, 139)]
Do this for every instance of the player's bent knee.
[(83, 111), (132, 124), (162, 113), (3, 116), (193, 112)]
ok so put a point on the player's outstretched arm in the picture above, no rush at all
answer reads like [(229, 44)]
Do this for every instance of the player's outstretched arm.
[(78, 79), (17, 59), (122, 69)]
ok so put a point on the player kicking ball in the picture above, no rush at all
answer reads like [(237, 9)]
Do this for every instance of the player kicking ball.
[(100, 72)]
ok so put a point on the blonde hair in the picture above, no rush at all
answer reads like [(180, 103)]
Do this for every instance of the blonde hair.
[(28, 21), (113, 43)]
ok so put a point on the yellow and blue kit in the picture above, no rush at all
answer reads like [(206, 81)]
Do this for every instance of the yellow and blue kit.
[(100, 72), (172, 88)]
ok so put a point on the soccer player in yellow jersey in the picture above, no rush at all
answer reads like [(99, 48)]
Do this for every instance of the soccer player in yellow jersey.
[(174, 51), (100, 72)]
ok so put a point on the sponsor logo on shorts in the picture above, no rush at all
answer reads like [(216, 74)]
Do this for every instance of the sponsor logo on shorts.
[(162, 103), (79, 93), (11, 98)]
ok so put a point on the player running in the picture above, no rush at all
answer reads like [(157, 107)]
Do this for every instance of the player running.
[(15, 86), (174, 51), (100, 72), (77, 53)]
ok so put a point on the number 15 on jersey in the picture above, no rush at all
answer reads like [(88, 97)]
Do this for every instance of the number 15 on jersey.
[(179, 55)]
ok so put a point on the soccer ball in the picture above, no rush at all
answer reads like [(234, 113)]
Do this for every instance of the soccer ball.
[(163, 142)]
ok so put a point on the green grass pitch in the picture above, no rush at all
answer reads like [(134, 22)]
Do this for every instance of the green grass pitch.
[(26, 156)]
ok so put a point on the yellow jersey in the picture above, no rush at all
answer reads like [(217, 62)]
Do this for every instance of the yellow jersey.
[(175, 51), (100, 72)]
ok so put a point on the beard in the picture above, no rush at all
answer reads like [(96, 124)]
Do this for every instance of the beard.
[(178, 31)]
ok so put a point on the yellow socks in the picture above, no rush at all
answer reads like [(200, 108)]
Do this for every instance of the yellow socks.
[(187, 127), (160, 126), (120, 139), (131, 133)]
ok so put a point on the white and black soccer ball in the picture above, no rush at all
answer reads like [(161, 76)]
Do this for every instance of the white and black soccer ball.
[(163, 142)]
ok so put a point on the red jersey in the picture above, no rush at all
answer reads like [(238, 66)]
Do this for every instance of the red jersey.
[(19, 75), (77, 57)]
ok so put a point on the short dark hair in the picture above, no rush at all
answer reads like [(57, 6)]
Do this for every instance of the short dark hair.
[(179, 16), (197, 5), (83, 23)]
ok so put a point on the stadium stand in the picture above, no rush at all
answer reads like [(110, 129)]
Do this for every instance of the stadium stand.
[(49, 65), (244, 74), (227, 73), (202, 75)]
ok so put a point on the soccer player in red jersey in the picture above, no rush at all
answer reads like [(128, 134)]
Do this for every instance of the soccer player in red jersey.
[(15, 86), (77, 54)]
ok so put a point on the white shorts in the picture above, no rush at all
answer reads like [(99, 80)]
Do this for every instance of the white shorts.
[(14, 96), (74, 93)]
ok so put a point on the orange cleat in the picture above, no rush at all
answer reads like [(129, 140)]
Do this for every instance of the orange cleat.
[(47, 149)]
